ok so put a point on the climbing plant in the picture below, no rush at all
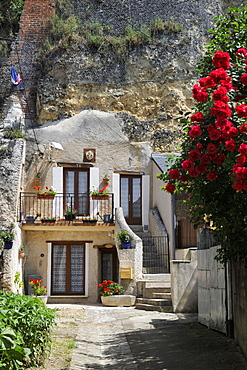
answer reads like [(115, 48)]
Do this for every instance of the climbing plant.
[(212, 168)]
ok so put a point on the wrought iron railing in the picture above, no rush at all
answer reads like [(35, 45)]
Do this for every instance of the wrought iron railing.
[(156, 257), (34, 208)]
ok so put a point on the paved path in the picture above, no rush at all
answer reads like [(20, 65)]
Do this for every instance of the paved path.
[(131, 339)]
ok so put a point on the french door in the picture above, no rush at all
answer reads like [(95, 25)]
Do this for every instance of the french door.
[(109, 265), (131, 198), (76, 185), (68, 268)]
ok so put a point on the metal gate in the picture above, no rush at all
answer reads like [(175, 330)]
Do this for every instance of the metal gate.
[(156, 257)]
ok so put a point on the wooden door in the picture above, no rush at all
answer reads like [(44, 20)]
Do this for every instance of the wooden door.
[(131, 198)]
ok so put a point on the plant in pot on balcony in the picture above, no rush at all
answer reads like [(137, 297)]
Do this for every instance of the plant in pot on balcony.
[(38, 290), (123, 239), (22, 251), (7, 237), (101, 194), (49, 193), (37, 177), (70, 213), (87, 220)]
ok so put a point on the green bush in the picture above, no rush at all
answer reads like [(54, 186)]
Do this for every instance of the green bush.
[(25, 331)]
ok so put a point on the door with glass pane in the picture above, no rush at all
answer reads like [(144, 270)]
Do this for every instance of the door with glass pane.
[(109, 265), (76, 185), (131, 198), (68, 268)]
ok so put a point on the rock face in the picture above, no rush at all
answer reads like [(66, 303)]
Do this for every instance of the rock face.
[(149, 83)]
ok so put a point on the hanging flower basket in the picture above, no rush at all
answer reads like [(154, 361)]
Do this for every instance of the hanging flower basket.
[(45, 196), (100, 196)]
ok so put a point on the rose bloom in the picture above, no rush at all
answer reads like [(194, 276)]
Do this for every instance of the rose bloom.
[(197, 117), (243, 79), (220, 109), (212, 175), (230, 145), (241, 159), (207, 82), (223, 122), (195, 131), (183, 178), (202, 168), (199, 146), (206, 158), (243, 128), (219, 159), (193, 172), (227, 85), (241, 53), (174, 174), (170, 188), (214, 134), (201, 97), (243, 149), (238, 186), (221, 59), (187, 164), (241, 172), (218, 74), (220, 94), (194, 155), (211, 148), (241, 110)]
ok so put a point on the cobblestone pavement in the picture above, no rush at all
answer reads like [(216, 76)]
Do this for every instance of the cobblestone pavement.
[(129, 339)]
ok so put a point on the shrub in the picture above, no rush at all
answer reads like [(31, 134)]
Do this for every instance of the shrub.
[(25, 330)]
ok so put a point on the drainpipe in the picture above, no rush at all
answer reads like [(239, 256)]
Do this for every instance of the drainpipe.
[(173, 237), (228, 300)]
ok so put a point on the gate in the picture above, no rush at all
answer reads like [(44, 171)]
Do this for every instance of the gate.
[(156, 257)]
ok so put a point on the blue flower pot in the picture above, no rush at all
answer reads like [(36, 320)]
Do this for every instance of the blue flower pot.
[(8, 245), (125, 245)]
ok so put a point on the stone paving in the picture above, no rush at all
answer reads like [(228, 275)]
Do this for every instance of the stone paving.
[(118, 338)]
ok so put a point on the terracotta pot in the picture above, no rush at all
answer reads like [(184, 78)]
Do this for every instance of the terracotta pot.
[(37, 181), (21, 254), (105, 182)]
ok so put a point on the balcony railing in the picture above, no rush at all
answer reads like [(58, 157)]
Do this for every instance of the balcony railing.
[(34, 208)]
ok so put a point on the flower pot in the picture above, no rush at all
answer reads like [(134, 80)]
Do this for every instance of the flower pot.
[(30, 219), (118, 300), (69, 217), (105, 182), (45, 196), (89, 223), (37, 181), (100, 197), (126, 245), (8, 245), (43, 298), (21, 254)]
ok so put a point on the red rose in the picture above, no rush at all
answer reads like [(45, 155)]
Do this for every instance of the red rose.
[(241, 53), (220, 94), (219, 159), (238, 186), (201, 97), (243, 128), (230, 145), (202, 168), (241, 172), (187, 164), (211, 148), (174, 174), (212, 175), (214, 134), (206, 158), (207, 82), (199, 146), (197, 117), (193, 172), (241, 110), (241, 159), (194, 155), (183, 178), (221, 59), (195, 131), (220, 109), (243, 149), (227, 85), (170, 188), (218, 74), (243, 79)]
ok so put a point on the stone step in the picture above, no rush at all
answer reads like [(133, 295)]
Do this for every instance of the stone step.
[(157, 284), (154, 301), (153, 270), (157, 277), (150, 307), (164, 295)]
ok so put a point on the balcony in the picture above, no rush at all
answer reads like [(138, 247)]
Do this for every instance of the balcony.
[(48, 211)]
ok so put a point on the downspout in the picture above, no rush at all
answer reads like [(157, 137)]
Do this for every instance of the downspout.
[(228, 300), (173, 238)]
